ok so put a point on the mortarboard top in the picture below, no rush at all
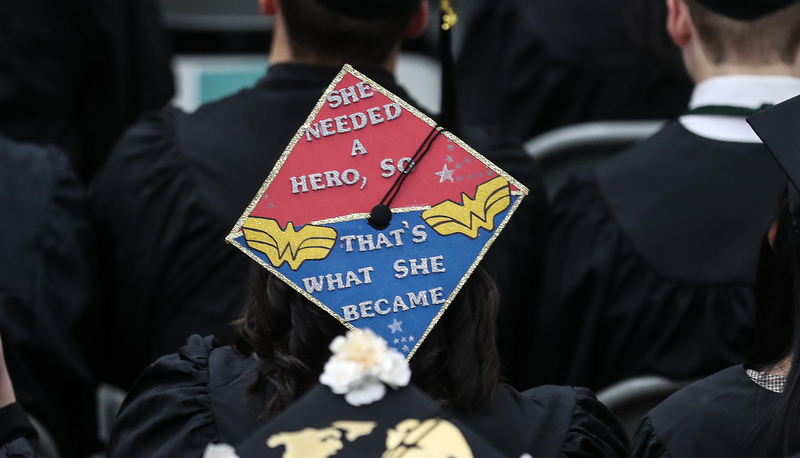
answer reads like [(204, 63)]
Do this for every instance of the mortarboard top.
[(405, 423), (745, 10), (779, 129), (308, 223), (369, 9)]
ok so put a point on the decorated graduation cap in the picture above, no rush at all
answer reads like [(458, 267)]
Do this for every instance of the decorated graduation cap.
[(778, 129), (745, 10), (376, 214)]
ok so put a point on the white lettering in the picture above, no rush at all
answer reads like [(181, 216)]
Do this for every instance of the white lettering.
[(366, 309), (315, 179), (355, 178), (400, 268), (374, 115), (313, 284), (335, 100), (359, 120), (392, 110), (419, 234), (297, 184), (358, 148), (350, 312), (364, 90), (341, 124)]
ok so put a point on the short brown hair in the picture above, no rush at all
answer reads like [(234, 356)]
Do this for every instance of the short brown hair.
[(766, 40), (318, 33)]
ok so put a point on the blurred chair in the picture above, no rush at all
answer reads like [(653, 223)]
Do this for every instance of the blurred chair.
[(47, 446), (631, 399), (109, 401), (214, 15), (562, 152)]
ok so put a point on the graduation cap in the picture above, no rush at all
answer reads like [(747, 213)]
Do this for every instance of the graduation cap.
[(376, 214), (745, 10), (405, 423), (778, 129)]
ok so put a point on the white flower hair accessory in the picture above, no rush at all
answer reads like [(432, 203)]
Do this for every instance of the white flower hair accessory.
[(220, 451), (360, 365)]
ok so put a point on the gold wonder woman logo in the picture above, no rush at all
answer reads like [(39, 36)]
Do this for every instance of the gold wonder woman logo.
[(287, 245), (448, 217)]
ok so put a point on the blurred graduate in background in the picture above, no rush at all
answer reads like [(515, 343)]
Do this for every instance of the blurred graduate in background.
[(650, 259)]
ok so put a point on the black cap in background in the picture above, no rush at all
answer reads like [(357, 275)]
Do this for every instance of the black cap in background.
[(745, 10), (779, 129)]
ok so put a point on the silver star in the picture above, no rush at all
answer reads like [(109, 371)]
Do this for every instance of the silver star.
[(450, 147), (470, 176), (445, 174), (270, 205), (395, 326), (403, 340), (396, 341), (480, 175), (405, 348), (489, 173), (410, 338), (449, 158), (466, 160), (459, 178)]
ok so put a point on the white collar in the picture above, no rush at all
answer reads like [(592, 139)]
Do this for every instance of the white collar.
[(748, 91)]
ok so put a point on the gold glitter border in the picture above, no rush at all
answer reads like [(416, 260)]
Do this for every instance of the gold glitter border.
[(347, 68)]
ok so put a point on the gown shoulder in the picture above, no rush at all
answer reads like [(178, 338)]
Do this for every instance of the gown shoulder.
[(168, 413)]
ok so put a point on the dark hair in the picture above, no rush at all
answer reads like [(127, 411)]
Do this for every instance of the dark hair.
[(316, 33), (777, 327), (768, 39), (457, 364)]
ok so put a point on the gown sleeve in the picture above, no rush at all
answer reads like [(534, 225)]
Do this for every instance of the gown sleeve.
[(155, 232), (594, 430), (168, 412), (645, 443), (17, 435)]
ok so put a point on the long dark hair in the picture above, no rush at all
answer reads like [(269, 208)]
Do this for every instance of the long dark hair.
[(457, 364), (777, 336)]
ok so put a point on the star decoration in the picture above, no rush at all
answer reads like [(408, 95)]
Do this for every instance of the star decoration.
[(458, 165), (470, 176), (467, 160), (395, 326), (396, 341), (450, 147), (489, 173), (270, 205), (459, 178), (403, 340), (406, 349), (449, 158), (445, 174), (480, 175), (264, 197), (410, 338)]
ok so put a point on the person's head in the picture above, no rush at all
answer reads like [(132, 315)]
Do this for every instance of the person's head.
[(335, 32), (777, 337), (717, 39), (457, 364)]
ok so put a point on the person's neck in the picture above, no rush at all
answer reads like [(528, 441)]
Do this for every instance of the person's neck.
[(781, 368), (700, 67)]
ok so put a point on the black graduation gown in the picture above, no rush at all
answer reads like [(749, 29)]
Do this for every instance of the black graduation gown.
[(200, 395), (17, 436), (48, 292), (530, 66), (176, 184), (649, 262), (721, 416), (77, 73)]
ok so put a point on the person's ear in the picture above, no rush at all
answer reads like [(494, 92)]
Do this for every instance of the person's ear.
[(419, 22), (268, 7), (679, 22), (773, 231)]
